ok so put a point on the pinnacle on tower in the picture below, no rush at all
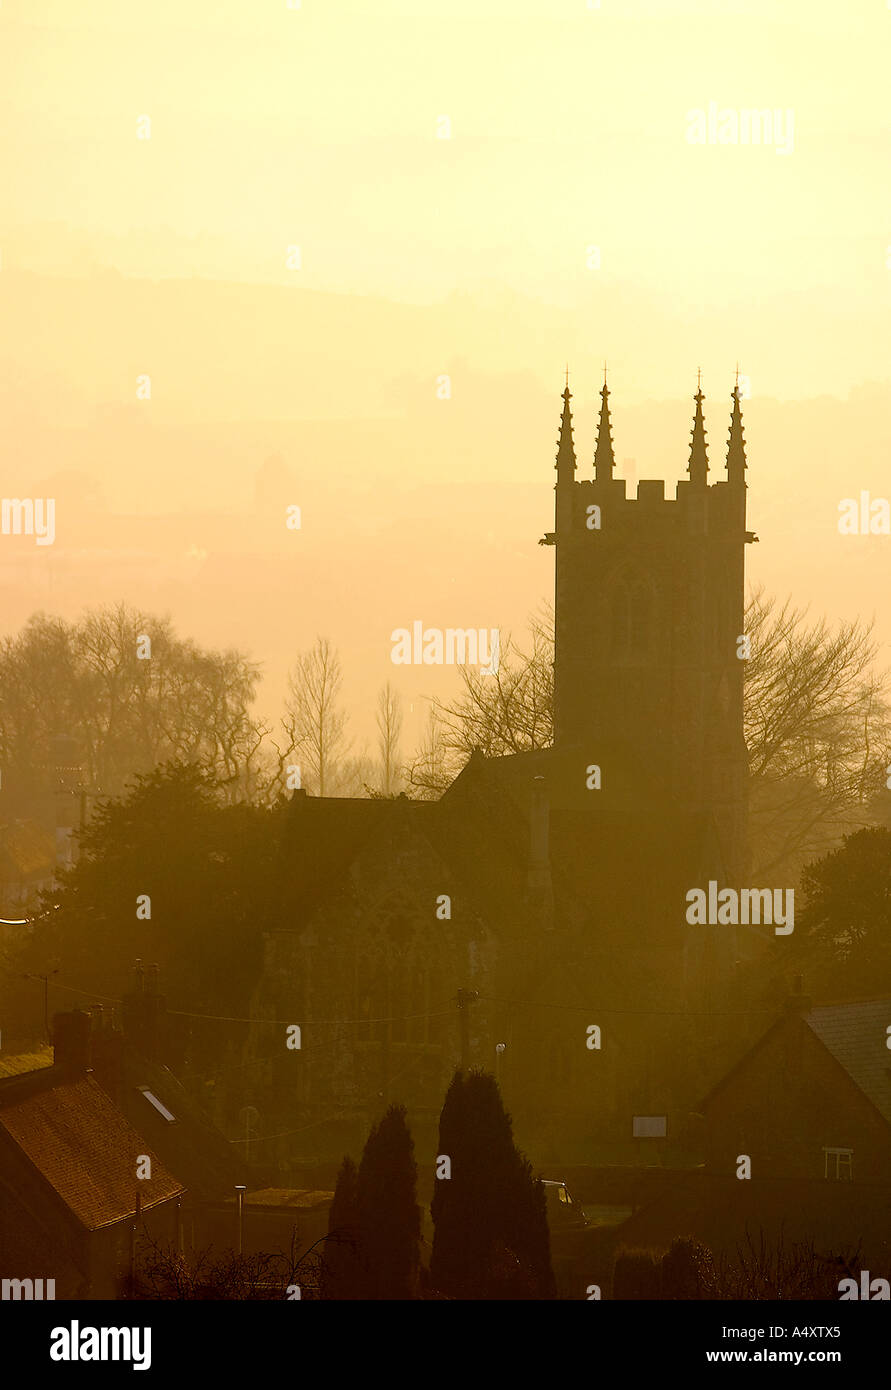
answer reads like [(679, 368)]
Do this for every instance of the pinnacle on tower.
[(698, 465), (604, 459), (565, 464), (736, 443)]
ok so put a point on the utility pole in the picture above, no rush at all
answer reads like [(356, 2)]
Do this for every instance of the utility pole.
[(134, 1228), (240, 1190), (84, 793), (465, 997), (385, 1064), (46, 979)]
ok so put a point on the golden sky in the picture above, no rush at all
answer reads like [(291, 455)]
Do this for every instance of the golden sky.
[(318, 127)]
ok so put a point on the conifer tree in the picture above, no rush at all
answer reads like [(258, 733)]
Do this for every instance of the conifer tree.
[(343, 1247), (388, 1212), (491, 1234)]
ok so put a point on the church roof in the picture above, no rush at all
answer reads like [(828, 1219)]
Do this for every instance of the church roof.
[(599, 842), (477, 833)]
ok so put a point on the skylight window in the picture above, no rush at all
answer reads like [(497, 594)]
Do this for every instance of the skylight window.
[(161, 1109)]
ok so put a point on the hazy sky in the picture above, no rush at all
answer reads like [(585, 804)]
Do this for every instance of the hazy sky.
[(473, 256)]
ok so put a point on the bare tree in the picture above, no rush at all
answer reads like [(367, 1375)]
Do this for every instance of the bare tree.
[(511, 711), (431, 770), (389, 729), (128, 694), (816, 722), (314, 721), (817, 729), (165, 1273), (771, 1270)]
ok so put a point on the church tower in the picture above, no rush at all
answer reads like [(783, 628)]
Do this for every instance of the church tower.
[(650, 649)]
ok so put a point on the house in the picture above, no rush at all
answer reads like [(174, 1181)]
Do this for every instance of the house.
[(81, 1129), (796, 1140), (126, 1063), (70, 1184), (811, 1099)]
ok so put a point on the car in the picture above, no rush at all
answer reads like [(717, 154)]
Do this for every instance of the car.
[(564, 1213)]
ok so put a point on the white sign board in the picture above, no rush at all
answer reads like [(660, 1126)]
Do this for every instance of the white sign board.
[(649, 1126)]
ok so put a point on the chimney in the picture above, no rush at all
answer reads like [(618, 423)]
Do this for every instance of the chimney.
[(72, 1041), (798, 1002), (143, 1016), (106, 1050)]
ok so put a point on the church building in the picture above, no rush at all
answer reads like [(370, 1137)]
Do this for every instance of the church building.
[(532, 921)]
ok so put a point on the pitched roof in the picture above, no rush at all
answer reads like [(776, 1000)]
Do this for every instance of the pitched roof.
[(595, 846), (856, 1035), (322, 837), (309, 1199), (21, 1063), (76, 1138), (190, 1144), (480, 830)]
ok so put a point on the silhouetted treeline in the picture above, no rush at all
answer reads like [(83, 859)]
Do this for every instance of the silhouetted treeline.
[(124, 691), (211, 871), (491, 1237)]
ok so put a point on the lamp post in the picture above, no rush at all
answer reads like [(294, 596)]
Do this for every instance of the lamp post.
[(240, 1190)]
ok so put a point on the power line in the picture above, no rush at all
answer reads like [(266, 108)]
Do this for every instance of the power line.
[(444, 1013), (270, 1057), (634, 1013), (285, 1134), (276, 1022), (288, 1023), (88, 993)]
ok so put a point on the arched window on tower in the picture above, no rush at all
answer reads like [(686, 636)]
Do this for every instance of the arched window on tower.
[(632, 618), (620, 619), (641, 603)]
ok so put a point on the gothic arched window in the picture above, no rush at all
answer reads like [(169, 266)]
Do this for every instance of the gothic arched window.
[(632, 618), (620, 619), (641, 604)]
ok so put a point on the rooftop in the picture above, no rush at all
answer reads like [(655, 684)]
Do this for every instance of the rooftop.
[(856, 1035), (75, 1137)]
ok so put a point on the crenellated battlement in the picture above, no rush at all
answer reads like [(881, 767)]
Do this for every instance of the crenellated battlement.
[(649, 613)]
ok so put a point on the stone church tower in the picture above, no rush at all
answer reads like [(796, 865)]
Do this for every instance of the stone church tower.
[(646, 787), (649, 657), (542, 895)]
